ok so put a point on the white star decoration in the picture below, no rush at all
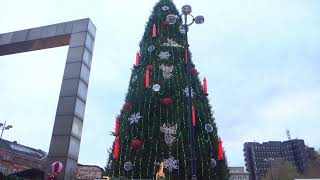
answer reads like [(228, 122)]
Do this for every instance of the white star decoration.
[(171, 164), (135, 118), (164, 55)]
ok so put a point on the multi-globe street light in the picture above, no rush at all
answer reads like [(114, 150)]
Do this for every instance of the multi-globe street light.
[(4, 127), (186, 11)]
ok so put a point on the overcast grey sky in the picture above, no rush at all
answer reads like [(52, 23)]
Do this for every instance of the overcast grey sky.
[(260, 58)]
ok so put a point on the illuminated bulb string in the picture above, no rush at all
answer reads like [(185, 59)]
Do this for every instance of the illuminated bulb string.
[(181, 119), (210, 120), (140, 80), (154, 76), (176, 61), (185, 121), (154, 122), (147, 102), (148, 132), (122, 139), (156, 126), (200, 120)]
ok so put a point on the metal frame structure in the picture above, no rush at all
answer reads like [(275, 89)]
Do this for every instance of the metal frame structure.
[(67, 130)]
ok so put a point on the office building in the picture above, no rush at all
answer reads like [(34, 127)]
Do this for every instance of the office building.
[(258, 157)]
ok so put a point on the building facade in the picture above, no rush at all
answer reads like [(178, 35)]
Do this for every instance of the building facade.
[(238, 173), (258, 157), (15, 157)]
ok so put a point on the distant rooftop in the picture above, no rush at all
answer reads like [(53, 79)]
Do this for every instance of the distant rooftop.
[(22, 150), (274, 142), (237, 169)]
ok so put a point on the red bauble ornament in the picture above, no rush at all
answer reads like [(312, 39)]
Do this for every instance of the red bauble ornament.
[(167, 101), (116, 149), (165, 24), (116, 129), (194, 122), (220, 149), (56, 167), (137, 59), (154, 31), (126, 106), (205, 86), (147, 78), (194, 71), (136, 144), (150, 67)]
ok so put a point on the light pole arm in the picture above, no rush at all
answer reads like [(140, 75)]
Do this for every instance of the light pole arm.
[(3, 127)]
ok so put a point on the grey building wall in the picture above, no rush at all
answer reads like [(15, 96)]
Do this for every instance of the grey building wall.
[(258, 157)]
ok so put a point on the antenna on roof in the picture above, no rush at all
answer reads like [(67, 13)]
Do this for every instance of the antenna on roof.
[(288, 134)]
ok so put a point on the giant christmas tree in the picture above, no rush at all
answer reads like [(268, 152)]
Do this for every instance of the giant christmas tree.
[(152, 134)]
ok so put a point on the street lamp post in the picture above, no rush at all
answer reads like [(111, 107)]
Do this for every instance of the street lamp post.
[(186, 10), (4, 127)]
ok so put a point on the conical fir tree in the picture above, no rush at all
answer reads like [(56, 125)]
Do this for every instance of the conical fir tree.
[(153, 128)]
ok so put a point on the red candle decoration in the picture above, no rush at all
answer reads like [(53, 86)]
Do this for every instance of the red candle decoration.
[(154, 31), (194, 71), (116, 149), (194, 123), (126, 106), (116, 129), (220, 149), (205, 86), (137, 59), (136, 144), (167, 101), (147, 79)]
